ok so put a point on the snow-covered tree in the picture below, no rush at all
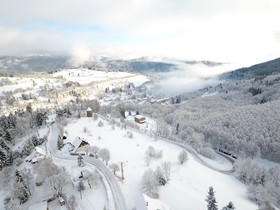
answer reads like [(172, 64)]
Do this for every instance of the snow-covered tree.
[(211, 200), (28, 147), (20, 188), (94, 150), (47, 168), (11, 203), (4, 145), (182, 157), (80, 160), (93, 179), (29, 179), (59, 142), (105, 155), (100, 123), (166, 167), (58, 181), (114, 167), (40, 118), (81, 187), (150, 184), (151, 153), (8, 136), (158, 174), (3, 158), (230, 206)]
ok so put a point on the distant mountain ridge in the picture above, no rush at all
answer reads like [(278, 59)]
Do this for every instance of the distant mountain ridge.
[(17, 64), (256, 71)]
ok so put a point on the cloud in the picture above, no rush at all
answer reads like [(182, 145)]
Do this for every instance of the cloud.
[(230, 30), (80, 55), (190, 78)]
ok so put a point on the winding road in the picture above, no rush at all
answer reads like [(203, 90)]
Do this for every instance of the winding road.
[(116, 193), (199, 159), (195, 154)]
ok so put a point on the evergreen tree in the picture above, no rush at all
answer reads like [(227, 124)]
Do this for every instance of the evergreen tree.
[(211, 200), (80, 160), (59, 143), (3, 158), (11, 203), (81, 187), (12, 121), (40, 118), (4, 122), (20, 188), (230, 206), (8, 136), (9, 160), (35, 140), (4, 145), (28, 147)]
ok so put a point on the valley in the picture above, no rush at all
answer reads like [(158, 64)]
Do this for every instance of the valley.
[(72, 135)]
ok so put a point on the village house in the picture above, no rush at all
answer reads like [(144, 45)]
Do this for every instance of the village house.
[(140, 119), (89, 112), (78, 145), (37, 154)]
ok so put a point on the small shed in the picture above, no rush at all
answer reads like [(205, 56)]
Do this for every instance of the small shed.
[(89, 112), (61, 201), (140, 119)]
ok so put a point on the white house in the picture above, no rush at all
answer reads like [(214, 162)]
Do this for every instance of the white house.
[(37, 154), (78, 145)]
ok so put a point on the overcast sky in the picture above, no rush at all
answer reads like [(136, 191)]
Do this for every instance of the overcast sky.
[(242, 31)]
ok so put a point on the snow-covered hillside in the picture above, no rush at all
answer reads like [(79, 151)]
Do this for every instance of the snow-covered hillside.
[(189, 183)]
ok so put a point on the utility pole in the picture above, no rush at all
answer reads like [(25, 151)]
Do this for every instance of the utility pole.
[(122, 170)]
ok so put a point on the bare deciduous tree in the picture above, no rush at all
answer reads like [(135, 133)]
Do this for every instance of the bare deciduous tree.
[(58, 181), (166, 166), (93, 179), (183, 157), (149, 184), (114, 167), (105, 155)]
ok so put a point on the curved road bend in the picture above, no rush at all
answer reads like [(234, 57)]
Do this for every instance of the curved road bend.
[(196, 156), (118, 198)]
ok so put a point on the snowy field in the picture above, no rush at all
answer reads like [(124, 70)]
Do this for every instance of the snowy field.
[(189, 183), (86, 76)]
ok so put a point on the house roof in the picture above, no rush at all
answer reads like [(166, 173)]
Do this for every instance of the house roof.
[(89, 109), (76, 143), (40, 151), (139, 117)]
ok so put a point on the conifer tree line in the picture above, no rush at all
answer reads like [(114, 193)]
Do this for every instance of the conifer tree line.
[(17, 125)]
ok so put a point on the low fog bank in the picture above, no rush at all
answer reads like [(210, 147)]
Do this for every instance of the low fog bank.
[(190, 78)]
